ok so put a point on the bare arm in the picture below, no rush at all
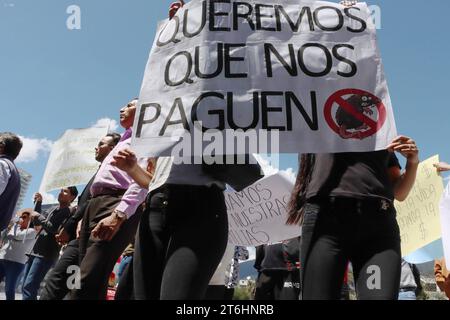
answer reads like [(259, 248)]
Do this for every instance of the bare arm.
[(140, 176), (403, 183), (442, 166), (126, 160)]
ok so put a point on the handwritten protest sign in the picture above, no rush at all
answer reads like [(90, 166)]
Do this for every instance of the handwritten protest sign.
[(308, 70), (72, 160), (257, 215), (418, 216)]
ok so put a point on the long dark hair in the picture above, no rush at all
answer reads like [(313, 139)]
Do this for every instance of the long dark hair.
[(298, 197)]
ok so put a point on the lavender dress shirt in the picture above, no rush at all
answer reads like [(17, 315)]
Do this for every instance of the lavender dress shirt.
[(112, 178)]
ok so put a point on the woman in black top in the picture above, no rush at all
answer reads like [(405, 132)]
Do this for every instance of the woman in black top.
[(345, 204)]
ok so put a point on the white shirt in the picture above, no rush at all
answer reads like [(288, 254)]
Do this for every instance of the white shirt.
[(407, 277), (16, 248), (5, 175), (167, 172)]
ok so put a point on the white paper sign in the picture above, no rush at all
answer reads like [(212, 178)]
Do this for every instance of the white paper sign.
[(72, 160), (310, 70), (258, 214)]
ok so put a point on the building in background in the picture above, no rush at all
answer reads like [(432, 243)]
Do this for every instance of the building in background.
[(25, 180)]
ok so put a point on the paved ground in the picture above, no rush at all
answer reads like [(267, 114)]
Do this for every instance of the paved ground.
[(3, 296)]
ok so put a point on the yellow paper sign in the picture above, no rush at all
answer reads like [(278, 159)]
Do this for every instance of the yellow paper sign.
[(418, 216)]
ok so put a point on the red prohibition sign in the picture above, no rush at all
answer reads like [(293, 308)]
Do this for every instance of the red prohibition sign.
[(338, 98)]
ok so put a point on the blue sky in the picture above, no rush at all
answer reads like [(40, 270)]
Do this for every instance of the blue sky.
[(53, 79)]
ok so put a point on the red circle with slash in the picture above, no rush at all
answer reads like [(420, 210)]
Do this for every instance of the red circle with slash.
[(338, 98)]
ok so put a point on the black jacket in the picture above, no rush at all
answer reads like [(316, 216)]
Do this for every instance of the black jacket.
[(51, 221), (83, 200)]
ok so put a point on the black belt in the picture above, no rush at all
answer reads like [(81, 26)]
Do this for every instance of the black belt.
[(109, 192), (162, 194), (175, 187), (368, 203)]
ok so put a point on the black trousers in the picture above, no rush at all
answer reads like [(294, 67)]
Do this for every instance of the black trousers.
[(56, 286), (98, 257), (181, 239), (219, 292), (364, 232), (278, 285)]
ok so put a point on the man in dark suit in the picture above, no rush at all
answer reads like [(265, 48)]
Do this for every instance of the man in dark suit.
[(56, 287)]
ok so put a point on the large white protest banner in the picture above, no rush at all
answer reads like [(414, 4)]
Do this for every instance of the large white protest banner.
[(257, 215), (309, 71), (444, 208), (72, 160)]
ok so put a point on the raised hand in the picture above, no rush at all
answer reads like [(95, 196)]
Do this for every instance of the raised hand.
[(174, 7), (442, 166), (406, 147), (37, 197), (125, 160), (348, 3)]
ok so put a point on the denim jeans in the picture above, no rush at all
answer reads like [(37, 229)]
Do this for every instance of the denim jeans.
[(123, 264), (35, 271), (10, 272), (407, 295)]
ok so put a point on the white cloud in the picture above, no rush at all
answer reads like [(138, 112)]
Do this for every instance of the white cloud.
[(106, 122), (291, 174), (252, 253), (32, 148), (264, 162), (269, 169)]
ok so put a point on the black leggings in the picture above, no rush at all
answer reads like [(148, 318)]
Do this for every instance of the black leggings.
[(181, 239), (365, 233)]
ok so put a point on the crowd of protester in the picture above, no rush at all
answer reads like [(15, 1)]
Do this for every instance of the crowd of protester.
[(167, 225)]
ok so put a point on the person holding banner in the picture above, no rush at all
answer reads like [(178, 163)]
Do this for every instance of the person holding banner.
[(111, 218), (45, 251), (56, 287), (183, 232), (345, 204)]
